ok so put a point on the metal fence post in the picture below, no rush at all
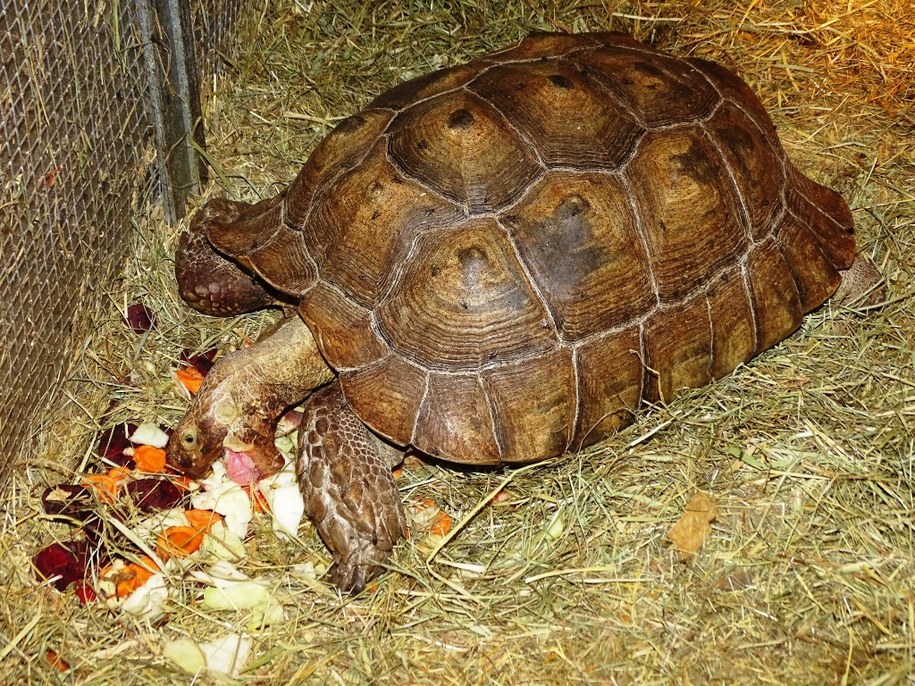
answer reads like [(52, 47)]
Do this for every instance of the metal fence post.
[(174, 96)]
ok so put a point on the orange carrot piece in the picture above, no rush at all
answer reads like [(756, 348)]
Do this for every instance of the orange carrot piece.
[(57, 662), (190, 378), (130, 576), (202, 520), (258, 499), (178, 541), (149, 459), (442, 524), (106, 485)]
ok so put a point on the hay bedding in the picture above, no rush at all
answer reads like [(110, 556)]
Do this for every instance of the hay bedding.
[(804, 576)]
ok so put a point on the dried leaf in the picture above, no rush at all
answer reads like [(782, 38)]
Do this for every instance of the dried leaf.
[(695, 524)]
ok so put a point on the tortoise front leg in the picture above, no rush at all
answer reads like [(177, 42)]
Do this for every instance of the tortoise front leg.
[(344, 473)]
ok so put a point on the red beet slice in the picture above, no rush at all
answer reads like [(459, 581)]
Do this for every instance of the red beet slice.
[(62, 563), (113, 442), (152, 494), (140, 318), (202, 362), (84, 592), (72, 501)]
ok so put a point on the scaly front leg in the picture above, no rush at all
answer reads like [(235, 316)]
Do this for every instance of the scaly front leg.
[(344, 473)]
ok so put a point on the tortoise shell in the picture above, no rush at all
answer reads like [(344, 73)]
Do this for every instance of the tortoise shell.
[(505, 259)]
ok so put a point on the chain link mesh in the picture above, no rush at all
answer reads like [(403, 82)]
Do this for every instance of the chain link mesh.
[(75, 168)]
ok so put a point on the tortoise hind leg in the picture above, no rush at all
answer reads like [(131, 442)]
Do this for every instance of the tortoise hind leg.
[(344, 473), (209, 282)]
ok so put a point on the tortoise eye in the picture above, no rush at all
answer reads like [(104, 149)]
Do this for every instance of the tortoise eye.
[(189, 439)]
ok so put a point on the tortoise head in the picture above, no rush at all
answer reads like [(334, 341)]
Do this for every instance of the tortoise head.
[(197, 440), (219, 424)]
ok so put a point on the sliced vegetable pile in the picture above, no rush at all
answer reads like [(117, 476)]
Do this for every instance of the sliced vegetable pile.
[(137, 526)]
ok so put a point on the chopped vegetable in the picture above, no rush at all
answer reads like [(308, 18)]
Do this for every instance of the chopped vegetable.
[(139, 318), (62, 563), (152, 494), (178, 541), (227, 654), (113, 443), (186, 654), (56, 661), (222, 544), (190, 379), (67, 500), (107, 485), (202, 362), (148, 600), (202, 520), (149, 433), (120, 578), (146, 458)]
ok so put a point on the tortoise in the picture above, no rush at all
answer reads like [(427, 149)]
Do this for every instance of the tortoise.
[(499, 262)]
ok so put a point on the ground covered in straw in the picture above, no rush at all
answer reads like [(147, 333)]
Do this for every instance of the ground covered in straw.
[(807, 573)]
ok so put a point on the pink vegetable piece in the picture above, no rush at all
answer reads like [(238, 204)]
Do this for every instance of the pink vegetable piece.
[(240, 468), (73, 501), (140, 318)]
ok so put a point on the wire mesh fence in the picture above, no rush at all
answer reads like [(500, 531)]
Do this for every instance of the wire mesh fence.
[(77, 166)]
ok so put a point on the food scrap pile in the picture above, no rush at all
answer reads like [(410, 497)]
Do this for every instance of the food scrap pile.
[(137, 526)]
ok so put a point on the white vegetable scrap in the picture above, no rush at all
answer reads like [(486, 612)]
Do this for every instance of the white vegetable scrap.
[(149, 433), (148, 601), (225, 497), (185, 653), (227, 654), (286, 504)]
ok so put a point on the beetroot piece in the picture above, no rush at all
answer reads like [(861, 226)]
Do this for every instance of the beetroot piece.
[(140, 318), (72, 501), (152, 494), (84, 592), (113, 442), (63, 563), (202, 362)]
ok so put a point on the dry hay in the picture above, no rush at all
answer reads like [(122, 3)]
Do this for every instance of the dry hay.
[(807, 574)]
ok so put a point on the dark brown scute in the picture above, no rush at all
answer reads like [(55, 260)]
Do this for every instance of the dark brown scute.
[(592, 131), (577, 236), (455, 421), (396, 390), (691, 217), (814, 274), (826, 213), (363, 225), (458, 161), (678, 348), (465, 301), (610, 373), (756, 168), (776, 303), (659, 89), (342, 149), (733, 326), (343, 330), (537, 422)]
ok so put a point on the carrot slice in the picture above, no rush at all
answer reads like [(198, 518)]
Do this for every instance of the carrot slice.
[(128, 577), (178, 541), (202, 520), (190, 378), (442, 523), (149, 459), (107, 485), (57, 662)]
